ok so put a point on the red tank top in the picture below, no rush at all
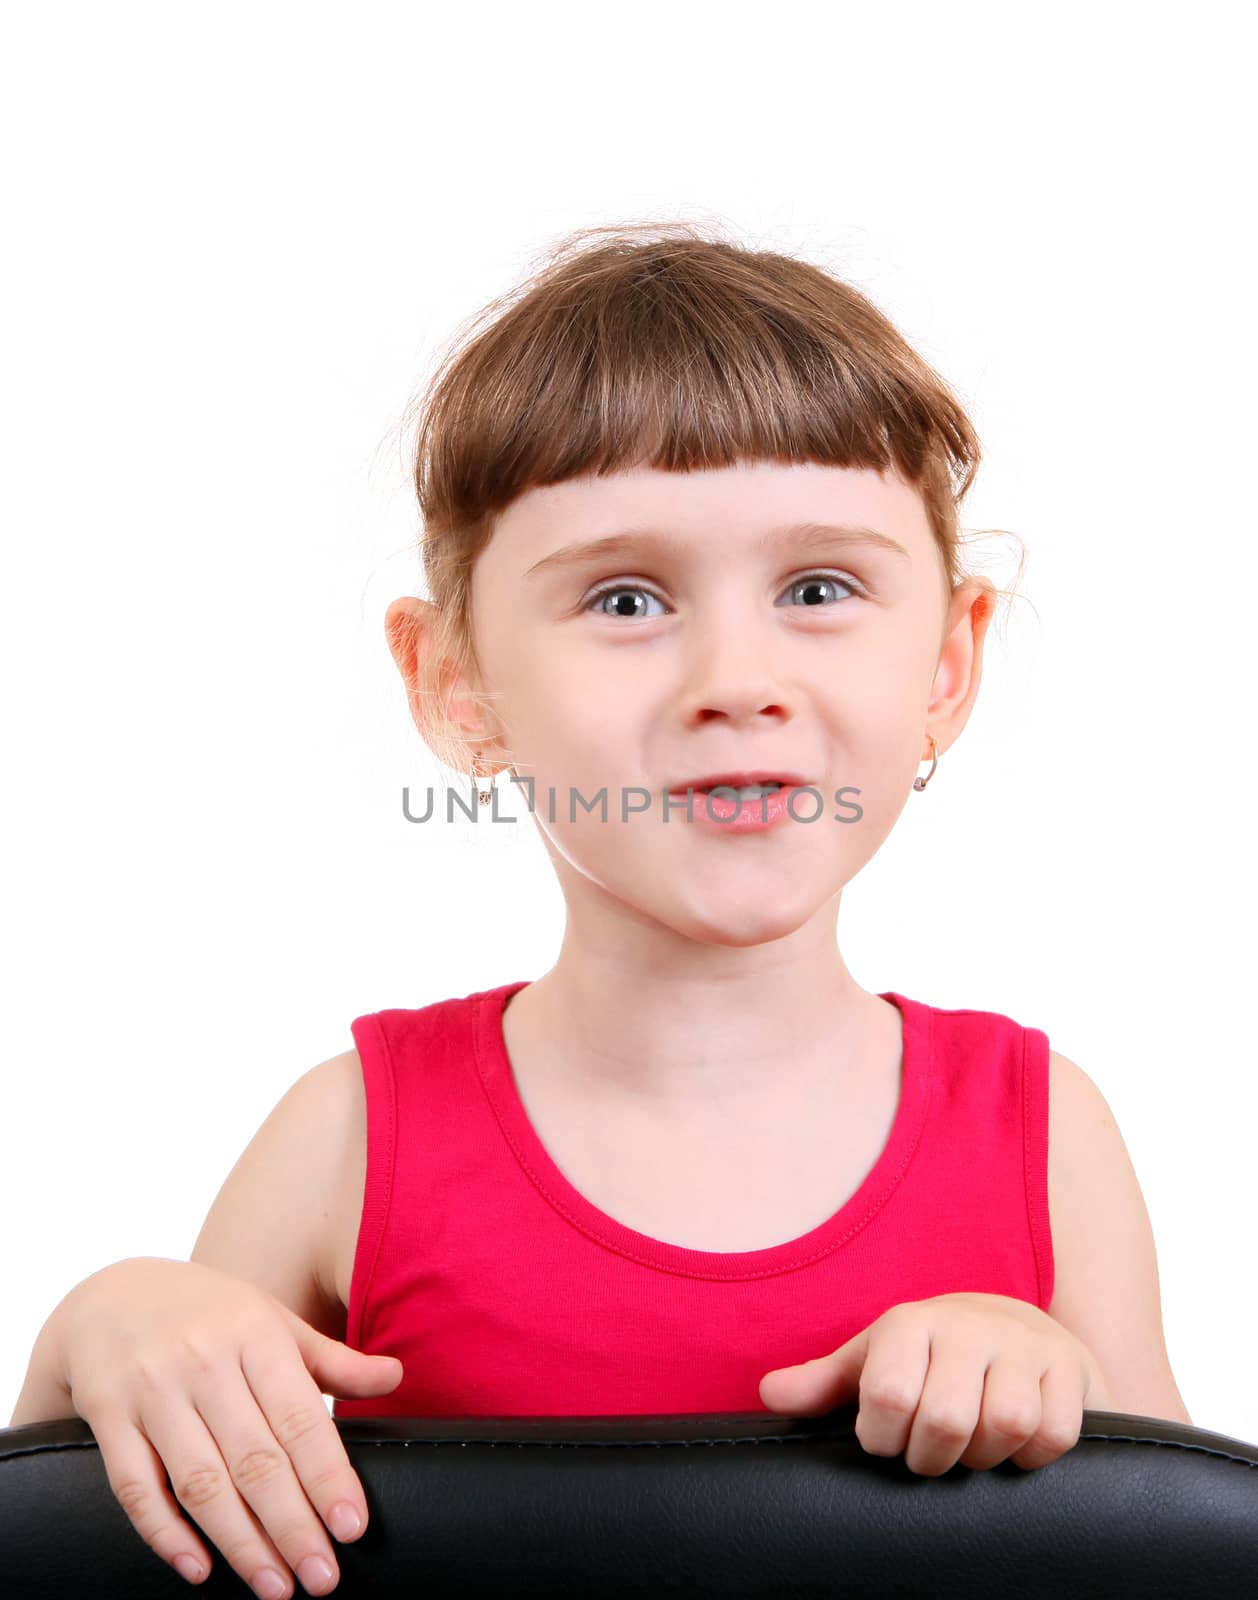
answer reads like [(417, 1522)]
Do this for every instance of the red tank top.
[(504, 1292)]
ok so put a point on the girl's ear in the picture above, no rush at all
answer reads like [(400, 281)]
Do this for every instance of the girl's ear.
[(410, 626), (404, 625), (960, 667)]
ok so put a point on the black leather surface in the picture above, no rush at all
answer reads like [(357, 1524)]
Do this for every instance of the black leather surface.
[(702, 1505)]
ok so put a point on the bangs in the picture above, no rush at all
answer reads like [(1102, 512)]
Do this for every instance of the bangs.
[(679, 354)]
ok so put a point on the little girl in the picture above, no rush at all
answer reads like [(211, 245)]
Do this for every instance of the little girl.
[(691, 538)]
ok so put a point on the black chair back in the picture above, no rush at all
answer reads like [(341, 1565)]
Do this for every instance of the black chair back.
[(695, 1505)]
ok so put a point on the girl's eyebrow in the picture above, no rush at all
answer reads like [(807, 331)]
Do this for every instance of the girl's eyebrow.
[(659, 541)]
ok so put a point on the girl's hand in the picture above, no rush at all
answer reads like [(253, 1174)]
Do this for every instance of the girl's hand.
[(969, 1377), (186, 1372)]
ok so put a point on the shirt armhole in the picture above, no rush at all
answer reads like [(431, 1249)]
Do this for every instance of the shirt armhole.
[(1035, 1157), (379, 1088)]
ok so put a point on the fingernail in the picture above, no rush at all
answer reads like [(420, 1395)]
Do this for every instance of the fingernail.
[(315, 1574), (345, 1521), (187, 1568)]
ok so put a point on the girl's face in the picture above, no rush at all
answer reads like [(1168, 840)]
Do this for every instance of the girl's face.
[(710, 656)]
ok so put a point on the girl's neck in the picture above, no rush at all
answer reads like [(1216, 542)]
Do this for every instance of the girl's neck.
[(784, 1033)]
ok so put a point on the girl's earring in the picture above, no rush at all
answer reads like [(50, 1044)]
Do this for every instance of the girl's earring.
[(484, 795), (920, 783)]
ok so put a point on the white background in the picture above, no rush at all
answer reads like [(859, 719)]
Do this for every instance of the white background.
[(237, 237)]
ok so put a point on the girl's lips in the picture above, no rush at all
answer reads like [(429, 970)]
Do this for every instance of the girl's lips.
[(739, 780), (729, 814)]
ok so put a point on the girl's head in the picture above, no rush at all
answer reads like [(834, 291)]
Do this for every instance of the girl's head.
[(728, 406)]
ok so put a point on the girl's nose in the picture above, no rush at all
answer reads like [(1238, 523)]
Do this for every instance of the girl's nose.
[(732, 667)]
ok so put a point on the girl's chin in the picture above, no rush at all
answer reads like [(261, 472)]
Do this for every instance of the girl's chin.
[(730, 907), (736, 926)]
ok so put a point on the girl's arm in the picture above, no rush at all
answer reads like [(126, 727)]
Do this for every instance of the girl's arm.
[(273, 1223), (44, 1396), (1105, 1290), (276, 1220)]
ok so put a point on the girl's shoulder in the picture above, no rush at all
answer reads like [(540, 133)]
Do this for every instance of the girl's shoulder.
[(281, 1218), (345, 1098)]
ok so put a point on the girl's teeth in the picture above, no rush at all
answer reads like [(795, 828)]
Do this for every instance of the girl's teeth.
[(751, 791)]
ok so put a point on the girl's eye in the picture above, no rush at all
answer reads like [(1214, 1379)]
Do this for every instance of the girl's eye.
[(812, 585)]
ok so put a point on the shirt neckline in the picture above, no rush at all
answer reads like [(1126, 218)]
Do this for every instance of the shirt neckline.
[(881, 1182)]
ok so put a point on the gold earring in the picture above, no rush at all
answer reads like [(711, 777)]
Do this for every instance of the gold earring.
[(484, 795), (920, 783)]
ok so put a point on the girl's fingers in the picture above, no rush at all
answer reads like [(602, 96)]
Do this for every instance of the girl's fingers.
[(948, 1414), (204, 1486), (1061, 1418), (1013, 1404), (137, 1478), (891, 1381)]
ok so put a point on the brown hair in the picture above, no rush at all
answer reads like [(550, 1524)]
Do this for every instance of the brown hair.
[(648, 344)]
